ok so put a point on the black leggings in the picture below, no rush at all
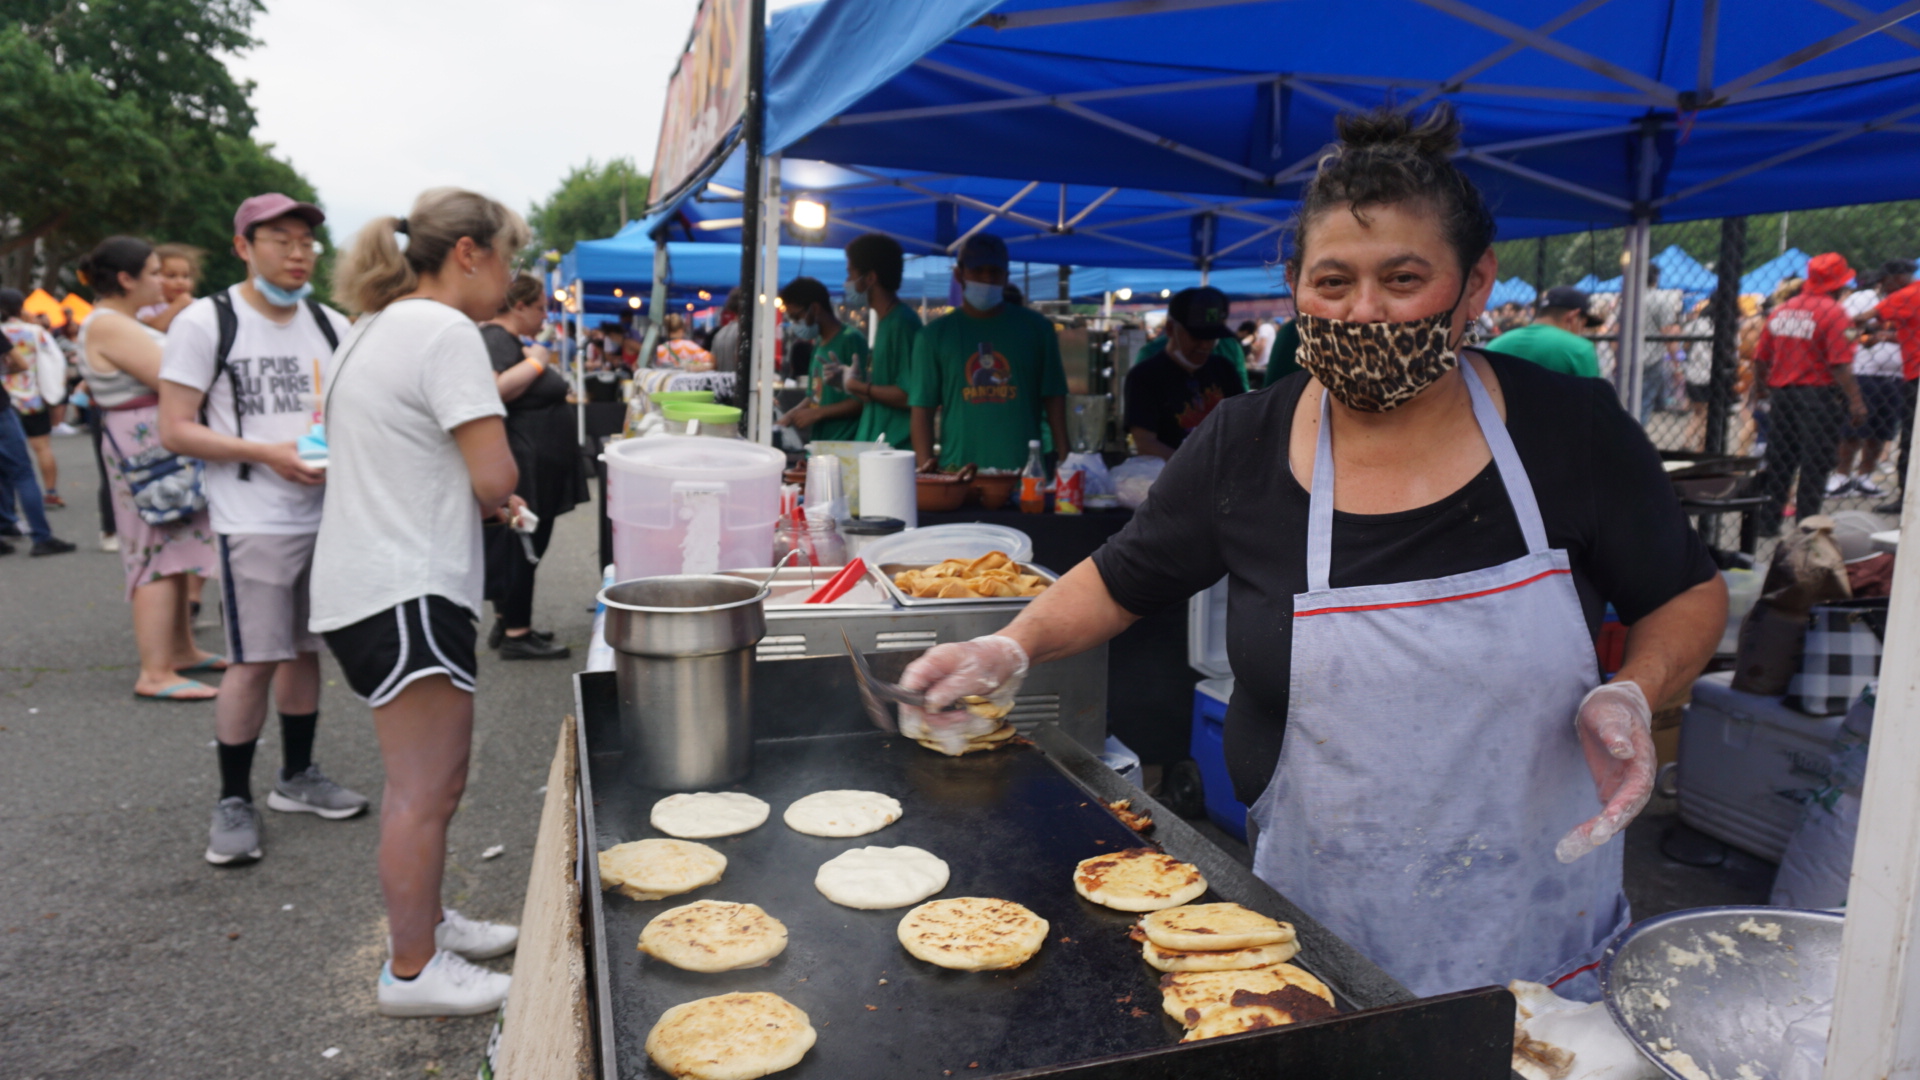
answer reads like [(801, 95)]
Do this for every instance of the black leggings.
[(106, 488), (514, 604), (1802, 439)]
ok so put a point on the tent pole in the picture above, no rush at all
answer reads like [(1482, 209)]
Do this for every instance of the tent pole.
[(657, 299), (753, 138), (1876, 1007), (579, 291), (767, 282), (1629, 376)]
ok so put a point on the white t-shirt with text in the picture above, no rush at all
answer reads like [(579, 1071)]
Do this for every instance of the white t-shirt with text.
[(275, 366), (401, 521)]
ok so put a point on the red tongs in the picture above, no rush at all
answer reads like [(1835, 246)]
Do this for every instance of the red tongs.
[(837, 586)]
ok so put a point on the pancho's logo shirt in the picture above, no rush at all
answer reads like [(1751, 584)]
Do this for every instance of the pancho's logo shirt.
[(989, 378)]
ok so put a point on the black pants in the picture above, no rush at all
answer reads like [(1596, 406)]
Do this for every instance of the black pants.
[(513, 574), (96, 422), (1803, 438)]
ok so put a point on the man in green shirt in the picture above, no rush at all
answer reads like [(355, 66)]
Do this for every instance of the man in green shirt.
[(874, 267), (990, 369), (1553, 339), (829, 411)]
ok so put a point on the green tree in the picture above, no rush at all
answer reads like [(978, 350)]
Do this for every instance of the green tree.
[(123, 118), (594, 201)]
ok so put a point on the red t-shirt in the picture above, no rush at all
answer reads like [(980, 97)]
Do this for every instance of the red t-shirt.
[(1901, 309), (1803, 340)]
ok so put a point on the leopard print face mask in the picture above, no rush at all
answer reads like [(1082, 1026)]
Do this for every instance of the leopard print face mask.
[(1377, 366)]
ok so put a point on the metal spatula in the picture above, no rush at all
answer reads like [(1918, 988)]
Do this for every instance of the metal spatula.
[(875, 693)]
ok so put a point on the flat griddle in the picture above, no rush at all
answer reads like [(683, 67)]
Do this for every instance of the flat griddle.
[(1011, 824)]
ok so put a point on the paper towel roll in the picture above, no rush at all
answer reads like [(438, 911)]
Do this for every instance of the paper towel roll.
[(888, 487)]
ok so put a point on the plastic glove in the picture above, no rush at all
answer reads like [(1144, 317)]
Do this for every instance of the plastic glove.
[(990, 668), (526, 521), (1616, 732)]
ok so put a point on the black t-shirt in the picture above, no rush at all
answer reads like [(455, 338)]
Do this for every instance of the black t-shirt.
[(1229, 505), (1170, 401), (503, 349)]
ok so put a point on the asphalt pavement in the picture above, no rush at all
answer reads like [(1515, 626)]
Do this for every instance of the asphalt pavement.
[(125, 954)]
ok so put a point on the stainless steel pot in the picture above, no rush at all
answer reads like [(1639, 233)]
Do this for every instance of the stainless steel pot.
[(684, 663)]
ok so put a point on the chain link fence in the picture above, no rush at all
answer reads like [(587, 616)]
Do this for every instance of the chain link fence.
[(1711, 287)]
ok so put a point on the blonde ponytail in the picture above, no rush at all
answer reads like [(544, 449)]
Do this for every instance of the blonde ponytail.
[(375, 272)]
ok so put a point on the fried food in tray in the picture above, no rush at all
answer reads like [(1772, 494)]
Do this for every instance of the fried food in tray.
[(992, 575)]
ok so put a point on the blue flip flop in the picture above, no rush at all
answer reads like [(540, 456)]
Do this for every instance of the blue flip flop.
[(172, 693), (215, 664)]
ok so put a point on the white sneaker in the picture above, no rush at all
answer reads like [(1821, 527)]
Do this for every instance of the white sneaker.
[(109, 542), (1864, 485), (65, 429), (447, 986), (472, 938), (1838, 483)]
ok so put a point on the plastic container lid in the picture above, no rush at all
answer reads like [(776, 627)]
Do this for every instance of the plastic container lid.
[(964, 540), (706, 413), (694, 458), (872, 526), (664, 396)]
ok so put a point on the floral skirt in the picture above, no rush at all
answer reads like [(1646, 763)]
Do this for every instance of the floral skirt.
[(151, 552)]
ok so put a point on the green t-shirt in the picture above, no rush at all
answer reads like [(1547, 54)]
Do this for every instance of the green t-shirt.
[(1229, 348), (988, 376), (1280, 358), (892, 366), (848, 349), (1550, 347)]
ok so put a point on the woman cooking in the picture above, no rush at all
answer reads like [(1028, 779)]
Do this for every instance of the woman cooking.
[(1420, 544)]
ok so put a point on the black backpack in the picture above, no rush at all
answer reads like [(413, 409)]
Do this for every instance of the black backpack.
[(229, 329)]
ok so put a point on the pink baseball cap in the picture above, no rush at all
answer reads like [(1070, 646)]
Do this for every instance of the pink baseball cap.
[(273, 205)]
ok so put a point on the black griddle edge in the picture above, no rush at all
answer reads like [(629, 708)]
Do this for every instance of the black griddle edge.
[(1461, 1036)]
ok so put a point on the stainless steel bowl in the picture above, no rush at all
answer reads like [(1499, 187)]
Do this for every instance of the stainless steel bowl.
[(1695, 982), (684, 614)]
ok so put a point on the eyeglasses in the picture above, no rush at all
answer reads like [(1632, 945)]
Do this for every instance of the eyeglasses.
[(305, 245)]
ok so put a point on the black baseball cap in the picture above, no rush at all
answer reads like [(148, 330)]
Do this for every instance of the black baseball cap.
[(983, 249), (1203, 311), (1568, 298)]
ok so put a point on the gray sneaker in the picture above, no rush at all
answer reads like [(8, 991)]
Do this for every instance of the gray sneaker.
[(235, 834), (310, 792)]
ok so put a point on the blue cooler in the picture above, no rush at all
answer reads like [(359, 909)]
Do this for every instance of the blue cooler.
[(1207, 654)]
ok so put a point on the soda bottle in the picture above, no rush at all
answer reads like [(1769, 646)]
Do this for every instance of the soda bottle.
[(1033, 481)]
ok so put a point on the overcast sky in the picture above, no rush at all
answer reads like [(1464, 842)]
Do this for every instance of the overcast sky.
[(377, 100)]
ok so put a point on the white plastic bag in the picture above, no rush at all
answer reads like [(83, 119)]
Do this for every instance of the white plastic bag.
[(1093, 469), (1134, 477)]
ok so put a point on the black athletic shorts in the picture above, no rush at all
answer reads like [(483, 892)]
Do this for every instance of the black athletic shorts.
[(35, 424), (428, 635)]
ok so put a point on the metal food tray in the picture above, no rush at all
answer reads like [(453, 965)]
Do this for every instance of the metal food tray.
[(1011, 824), (884, 574)]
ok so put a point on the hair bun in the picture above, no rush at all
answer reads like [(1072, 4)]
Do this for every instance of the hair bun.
[(1436, 137)]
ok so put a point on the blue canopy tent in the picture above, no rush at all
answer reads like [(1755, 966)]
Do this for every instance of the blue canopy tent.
[(1766, 277), (1578, 115), (1511, 291)]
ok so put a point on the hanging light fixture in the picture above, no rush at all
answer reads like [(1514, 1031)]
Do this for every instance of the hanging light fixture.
[(1123, 294), (808, 215), (633, 302)]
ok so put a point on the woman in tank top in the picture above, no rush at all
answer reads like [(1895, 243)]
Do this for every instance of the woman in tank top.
[(120, 358)]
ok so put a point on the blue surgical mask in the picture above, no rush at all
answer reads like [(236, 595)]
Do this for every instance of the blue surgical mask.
[(806, 331), (855, 299), (280, 297), (983, 297)]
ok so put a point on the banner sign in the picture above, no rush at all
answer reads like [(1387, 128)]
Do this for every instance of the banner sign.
[(706, 96)]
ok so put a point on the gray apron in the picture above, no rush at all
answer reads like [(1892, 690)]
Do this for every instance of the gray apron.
[(1431, 764)]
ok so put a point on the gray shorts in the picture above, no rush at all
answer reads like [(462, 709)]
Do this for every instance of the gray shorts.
[(263, 591)]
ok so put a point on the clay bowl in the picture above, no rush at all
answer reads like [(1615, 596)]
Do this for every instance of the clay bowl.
[(992, 492), (939, 492)]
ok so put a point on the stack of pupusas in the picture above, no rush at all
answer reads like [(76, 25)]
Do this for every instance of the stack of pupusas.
[(1227, 971), (977, 724)]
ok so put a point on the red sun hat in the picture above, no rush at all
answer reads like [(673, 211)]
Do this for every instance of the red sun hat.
[(1828, 272)]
